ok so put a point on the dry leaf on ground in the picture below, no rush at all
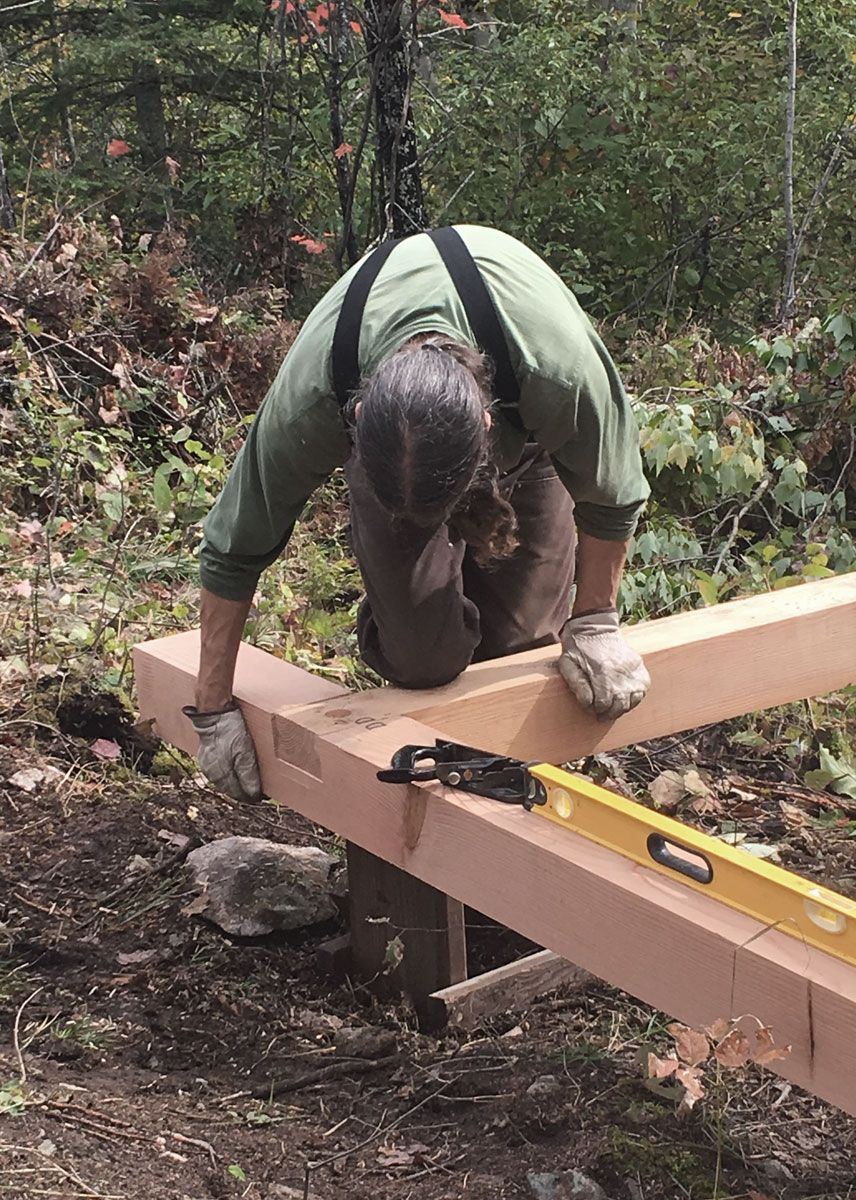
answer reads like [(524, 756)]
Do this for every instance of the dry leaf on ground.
[(692, 1046)]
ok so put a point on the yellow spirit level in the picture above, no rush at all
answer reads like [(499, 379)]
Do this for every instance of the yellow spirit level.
[(776, 897)]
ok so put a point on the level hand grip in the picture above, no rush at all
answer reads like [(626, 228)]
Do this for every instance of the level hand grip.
[(679, 858)]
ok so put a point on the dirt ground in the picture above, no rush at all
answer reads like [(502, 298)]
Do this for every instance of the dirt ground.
[(146, 1055)]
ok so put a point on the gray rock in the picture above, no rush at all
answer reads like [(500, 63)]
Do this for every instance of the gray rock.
[(564, 1185), (251, 887), (544, 1087)]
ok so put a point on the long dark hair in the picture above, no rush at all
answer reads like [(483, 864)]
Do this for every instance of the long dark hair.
[(426, 451)]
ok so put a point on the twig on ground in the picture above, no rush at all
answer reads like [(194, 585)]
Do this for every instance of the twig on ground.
[(336, 1070), (16, 1037)]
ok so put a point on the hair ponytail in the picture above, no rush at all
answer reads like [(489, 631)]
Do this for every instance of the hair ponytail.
[(422, 440)]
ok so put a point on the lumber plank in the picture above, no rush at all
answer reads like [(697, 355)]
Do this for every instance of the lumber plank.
[(511, 986), (707, 665)]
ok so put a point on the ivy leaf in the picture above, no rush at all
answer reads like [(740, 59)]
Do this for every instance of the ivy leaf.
[(836, 774)]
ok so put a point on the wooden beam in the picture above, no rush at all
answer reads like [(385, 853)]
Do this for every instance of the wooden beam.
[(706, 665), (682, 952), (512, 986)]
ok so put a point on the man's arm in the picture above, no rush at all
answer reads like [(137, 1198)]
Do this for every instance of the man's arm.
[(601, 669), (222, 626), (599, 568)]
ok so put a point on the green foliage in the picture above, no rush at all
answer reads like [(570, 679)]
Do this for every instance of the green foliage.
[(647, 169), (751, 457)]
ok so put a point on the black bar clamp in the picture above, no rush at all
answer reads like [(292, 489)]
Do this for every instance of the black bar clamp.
[(491, 775)]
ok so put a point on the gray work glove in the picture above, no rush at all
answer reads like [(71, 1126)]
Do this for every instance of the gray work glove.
[(227, 757), (601, 669)]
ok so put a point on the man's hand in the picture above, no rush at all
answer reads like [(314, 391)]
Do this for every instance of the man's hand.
[(599, 667), (226, 755)]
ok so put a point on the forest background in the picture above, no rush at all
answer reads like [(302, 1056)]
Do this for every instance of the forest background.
[(181, 181)]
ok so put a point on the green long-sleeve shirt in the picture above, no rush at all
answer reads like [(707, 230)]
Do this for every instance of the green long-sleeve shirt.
[(572, 401)]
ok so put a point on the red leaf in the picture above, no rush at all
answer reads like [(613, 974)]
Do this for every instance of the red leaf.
[(116, 147), (453, 19), (309, 244), (274, 5), (356, 26), (342, 150), (102, 748)]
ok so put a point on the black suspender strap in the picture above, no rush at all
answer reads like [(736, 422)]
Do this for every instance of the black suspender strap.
[(482, 316), (474, 295), (346, 338)]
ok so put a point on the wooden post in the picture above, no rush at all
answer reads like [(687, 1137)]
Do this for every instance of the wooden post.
[(405, 935)]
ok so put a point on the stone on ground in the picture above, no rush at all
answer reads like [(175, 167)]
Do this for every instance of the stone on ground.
[(251, 887)]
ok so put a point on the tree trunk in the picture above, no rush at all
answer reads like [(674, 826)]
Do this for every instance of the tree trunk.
[(401, 201), (345, 171), (789, 285), (7, 209), (151, 123), (59, 83)]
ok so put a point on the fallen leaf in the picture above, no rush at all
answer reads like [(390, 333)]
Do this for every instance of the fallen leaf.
[(106, 749), (196, 906), (765, 1049), (122, 376), (392, 1156), (30, 530), (67, 254), (734, 1050), (667, 791), (24, 589), (760, 850), (717, 1031), (116, 147), (692, 1046), (661, 1068), (690, 1079), (192, 812), (135, 957), (793, 814), (110, 416), (394, 953)]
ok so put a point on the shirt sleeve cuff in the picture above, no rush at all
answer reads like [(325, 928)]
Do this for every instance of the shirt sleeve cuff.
[(611, 524)]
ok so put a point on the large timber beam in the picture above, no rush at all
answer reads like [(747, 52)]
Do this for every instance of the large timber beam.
[(678, 950), (707, 665)]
